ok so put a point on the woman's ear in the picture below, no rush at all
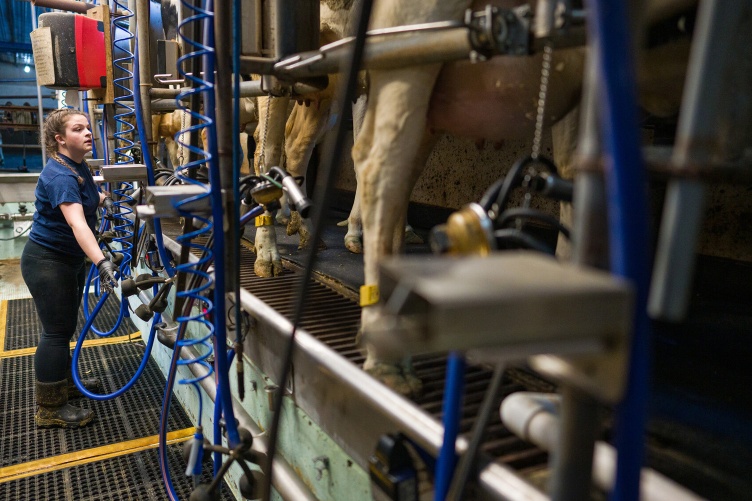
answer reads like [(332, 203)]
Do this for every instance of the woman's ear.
[(59, 139)]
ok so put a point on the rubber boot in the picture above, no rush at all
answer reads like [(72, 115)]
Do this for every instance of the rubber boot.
[(92, 384), (53, 409)]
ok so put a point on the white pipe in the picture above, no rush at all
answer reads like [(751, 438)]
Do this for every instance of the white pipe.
[(534, 417)]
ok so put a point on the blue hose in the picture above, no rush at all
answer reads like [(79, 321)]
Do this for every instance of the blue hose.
[(93, 279), (451, 411), (626, 186), (216, 329)]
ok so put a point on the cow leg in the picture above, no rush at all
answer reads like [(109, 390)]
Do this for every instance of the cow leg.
[(269, 137), (245, 165), (305, 128), (384, 156), (354, 235), (564, 136)]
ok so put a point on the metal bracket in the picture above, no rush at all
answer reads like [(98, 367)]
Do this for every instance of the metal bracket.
[(500, 31), (123, 172), (174, 201)]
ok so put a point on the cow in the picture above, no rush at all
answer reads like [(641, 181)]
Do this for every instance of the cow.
[(406, 111), (307, 120), (167, 127), (495, 100), (295, 128)]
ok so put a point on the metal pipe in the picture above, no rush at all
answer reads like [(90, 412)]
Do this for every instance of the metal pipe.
[(69, 5), (696, 143), (572, 458), (284, 479), (382, 52), (40, 115), (144, 70), (223, 89), (251, 88), (24, 146)]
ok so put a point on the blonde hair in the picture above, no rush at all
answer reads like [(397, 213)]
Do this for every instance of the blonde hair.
[(55, 124)]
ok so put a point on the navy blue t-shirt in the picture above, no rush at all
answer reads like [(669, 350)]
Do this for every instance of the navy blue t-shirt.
[(57, 184)]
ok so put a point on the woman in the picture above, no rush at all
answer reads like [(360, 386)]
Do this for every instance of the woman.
[(53, 262)]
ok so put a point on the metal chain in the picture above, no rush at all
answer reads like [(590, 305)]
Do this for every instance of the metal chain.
[(542, 93)]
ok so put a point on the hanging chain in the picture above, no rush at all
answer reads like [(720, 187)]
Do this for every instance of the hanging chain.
[(542, 93), (539, 117)]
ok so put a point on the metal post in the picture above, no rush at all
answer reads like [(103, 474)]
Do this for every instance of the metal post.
[(571, 460), (696, 138), (144, 70), (223, 91), (40, 113)]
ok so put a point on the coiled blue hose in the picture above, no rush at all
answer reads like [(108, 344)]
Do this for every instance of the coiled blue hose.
[(123, 226), (121, 44), (197, 272), (123, 136)]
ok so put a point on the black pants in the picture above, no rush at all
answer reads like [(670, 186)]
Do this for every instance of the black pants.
[(56, 282)]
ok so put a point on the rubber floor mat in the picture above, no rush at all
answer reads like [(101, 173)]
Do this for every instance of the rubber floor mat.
[(135, 414), (132, 477), (23, 326)]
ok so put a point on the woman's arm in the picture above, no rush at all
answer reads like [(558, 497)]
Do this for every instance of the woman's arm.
[(74, 216)]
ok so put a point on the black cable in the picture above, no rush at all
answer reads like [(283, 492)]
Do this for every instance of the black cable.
[(514, 178), (520, 239), (331, 157), (510, 215)]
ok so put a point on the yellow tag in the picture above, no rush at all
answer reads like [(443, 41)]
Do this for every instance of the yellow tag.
[(263, 221), (369, 294)]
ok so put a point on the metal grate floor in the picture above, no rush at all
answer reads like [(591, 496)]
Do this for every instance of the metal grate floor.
[(134, 477), (334, 319), (23, 327), (134, 415)]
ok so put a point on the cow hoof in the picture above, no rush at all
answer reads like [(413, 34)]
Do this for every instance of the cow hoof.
[(267, 269), (295, 223), (354, 244), (393, 377), (304, 242), (411, 237)]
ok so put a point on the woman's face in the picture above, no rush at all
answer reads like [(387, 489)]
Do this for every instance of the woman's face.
[(76, 140)]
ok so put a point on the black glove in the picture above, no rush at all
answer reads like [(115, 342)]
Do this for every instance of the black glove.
[(107, 281)]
